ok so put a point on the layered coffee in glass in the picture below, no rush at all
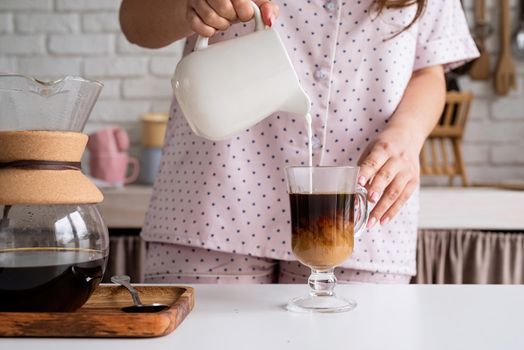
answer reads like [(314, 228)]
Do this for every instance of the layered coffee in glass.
[(328, 210)]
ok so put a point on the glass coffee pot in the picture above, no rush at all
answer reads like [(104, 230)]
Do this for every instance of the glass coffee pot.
[(53, 241)]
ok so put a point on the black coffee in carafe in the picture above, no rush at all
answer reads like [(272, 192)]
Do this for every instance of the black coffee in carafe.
[(48, 279)]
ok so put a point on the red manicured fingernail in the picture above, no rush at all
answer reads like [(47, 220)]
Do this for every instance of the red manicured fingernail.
[(362, 181), (374, 197), (371, 222), (270, 20), (384, 221)]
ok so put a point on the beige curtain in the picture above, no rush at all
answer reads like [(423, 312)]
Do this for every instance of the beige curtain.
[(443, 256), (465, 256), (126, 257)]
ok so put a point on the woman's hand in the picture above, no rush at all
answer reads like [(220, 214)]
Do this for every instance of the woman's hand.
[(208, 16), (389, 168)]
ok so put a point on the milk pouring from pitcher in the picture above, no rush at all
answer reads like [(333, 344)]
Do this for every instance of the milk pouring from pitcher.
[(230, 86)]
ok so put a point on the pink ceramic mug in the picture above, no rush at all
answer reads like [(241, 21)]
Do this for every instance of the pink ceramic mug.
[(113, 167), (112, 139)]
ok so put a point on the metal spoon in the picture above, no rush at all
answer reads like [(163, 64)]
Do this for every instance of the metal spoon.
[(518, 36), (4, 221), (138, 307)]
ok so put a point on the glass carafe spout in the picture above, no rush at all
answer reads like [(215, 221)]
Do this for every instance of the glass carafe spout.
[(30, 104)]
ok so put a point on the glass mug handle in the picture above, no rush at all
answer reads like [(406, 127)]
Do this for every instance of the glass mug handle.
[(362, 211)]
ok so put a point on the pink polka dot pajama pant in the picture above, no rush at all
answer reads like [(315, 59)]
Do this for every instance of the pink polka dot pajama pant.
[(170, 263)]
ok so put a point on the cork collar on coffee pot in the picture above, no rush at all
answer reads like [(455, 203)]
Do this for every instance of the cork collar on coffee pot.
[(43, 167)]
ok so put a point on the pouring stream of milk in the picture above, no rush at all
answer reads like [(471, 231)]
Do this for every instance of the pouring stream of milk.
[(309, 140), (310, 150)]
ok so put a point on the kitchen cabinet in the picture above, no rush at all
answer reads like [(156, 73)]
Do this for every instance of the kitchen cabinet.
[(466, 235), (440, 208)]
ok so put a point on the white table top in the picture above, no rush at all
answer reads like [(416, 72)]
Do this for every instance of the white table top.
[(387, 317), (440, 208)]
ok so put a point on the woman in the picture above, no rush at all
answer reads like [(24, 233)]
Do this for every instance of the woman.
[(374, 70)]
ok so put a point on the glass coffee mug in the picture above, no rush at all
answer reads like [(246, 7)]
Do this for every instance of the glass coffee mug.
[(328, 210)]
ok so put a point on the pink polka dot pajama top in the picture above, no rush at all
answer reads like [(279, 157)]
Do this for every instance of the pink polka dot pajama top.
[(230, 196)]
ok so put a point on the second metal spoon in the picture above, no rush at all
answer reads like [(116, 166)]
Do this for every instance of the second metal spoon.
[(138, 307)]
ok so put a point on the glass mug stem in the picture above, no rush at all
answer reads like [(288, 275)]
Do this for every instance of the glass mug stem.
[(322, 283)]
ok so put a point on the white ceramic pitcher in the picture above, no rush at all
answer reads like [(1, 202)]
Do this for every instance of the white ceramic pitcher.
[(230, 86)]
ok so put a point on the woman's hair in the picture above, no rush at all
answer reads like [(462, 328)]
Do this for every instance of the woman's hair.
[(397, 4)]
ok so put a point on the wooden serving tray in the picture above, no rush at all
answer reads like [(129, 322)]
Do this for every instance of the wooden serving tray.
[(101, 315)]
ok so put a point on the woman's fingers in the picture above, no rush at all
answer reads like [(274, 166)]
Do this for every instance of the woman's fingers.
[(382, 178), (392, 196), (243, 9), (197, 25), (209, 17), (224, 8), (269, 11), (399, 203), (371, 164), (245, 12)]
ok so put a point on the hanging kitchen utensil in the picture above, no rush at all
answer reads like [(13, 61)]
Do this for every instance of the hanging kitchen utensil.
[(505, 72), (518, 36), (480, 68)]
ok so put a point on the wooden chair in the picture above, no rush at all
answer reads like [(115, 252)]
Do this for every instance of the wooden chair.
[(442, 151)]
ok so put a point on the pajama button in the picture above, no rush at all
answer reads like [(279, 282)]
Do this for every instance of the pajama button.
[(331, 6), (320, 74), (316, 144)]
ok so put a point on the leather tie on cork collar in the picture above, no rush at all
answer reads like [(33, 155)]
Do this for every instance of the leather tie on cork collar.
[(41, 165)]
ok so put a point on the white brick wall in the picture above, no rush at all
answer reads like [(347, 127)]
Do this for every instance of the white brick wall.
[(13, 44), (111, 66), (7, 64), (52, 38), (115, 111), (52, 66), (86, 5), (26, 5), (100, 22), (148, 87), (46, 22), (81, 44), (6, 23)]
